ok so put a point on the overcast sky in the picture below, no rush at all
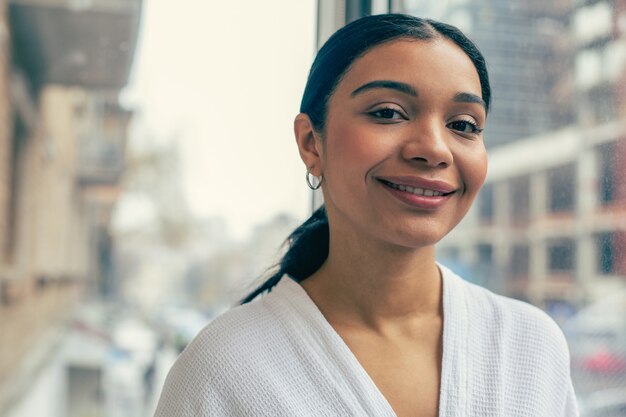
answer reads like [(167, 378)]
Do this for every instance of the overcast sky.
[(226, 78)]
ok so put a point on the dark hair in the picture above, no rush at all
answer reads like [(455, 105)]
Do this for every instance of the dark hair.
[(308, 244)]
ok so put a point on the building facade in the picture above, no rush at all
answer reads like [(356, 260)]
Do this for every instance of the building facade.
[(62, 145)]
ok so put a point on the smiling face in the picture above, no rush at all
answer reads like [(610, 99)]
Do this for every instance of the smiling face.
[(402, 152)]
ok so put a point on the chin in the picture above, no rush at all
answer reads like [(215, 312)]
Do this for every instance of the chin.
[(416, 239)]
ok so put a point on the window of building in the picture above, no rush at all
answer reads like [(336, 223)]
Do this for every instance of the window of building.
[(605, 253), (562, 188), (606, 168), (601, 104), (520, 261), (485, 204), (520, 197), (561, 255), (485, 254)]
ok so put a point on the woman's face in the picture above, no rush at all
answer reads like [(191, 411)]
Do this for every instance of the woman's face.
[(402, 151)]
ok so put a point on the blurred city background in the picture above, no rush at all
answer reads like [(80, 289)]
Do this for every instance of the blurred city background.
[(148, 176)]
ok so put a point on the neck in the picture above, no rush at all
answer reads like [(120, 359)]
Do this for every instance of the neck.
[(375, 284)]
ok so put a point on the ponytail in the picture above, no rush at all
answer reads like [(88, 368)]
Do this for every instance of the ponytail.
[(308, 249)]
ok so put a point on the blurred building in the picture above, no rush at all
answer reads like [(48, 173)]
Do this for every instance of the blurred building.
[(62, 147)]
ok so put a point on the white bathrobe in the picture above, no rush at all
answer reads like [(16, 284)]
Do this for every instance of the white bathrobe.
[(278, 356)]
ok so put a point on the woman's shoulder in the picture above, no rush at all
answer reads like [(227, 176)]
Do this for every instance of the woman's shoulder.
[(215, 362), (230, 334)]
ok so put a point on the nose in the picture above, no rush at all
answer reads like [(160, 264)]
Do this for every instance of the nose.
[(427, 143)]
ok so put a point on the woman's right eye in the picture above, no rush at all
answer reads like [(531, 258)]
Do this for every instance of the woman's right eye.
[(387, 113)]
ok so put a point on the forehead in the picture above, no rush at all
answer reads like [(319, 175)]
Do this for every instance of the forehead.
[(436, 63)]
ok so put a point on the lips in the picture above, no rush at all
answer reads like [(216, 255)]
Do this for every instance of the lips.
[(414, 190), (418, 192), (418, 186)]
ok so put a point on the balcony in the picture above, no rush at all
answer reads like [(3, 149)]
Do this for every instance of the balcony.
[(86, 43)]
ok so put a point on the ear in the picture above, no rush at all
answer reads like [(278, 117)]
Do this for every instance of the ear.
[(309, 144)]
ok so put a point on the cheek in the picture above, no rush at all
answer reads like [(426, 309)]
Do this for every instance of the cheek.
[(354, 150), (475, 169)]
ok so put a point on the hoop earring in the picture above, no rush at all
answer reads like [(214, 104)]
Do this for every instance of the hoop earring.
[(308, 180)]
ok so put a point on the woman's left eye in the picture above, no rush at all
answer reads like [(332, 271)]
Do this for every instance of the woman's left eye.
[(464, 126)]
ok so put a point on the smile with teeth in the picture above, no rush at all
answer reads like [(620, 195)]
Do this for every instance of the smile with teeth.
[(415, 190)]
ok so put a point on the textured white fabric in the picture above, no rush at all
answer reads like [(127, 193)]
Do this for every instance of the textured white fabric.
[(278, 356)]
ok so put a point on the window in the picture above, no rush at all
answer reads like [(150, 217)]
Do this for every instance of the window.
[(606, 168), (520, 198), (601, 107), (519, 261), (485, 204), (561, 256), (605, 253), (562, 188), (485, 254)]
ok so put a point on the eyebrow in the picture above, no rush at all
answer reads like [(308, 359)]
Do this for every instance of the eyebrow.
[(469, 98), (393, 85), (407, 89)]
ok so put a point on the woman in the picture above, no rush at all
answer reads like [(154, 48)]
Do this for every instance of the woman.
[(361, 320)]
